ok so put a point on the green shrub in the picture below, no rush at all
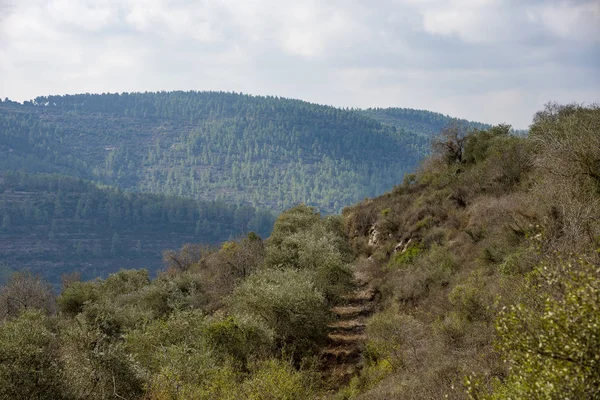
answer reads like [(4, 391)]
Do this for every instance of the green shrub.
[(125, 282), (289, 303), (452, 328), (292, 221), (467, 299), (30, 367), (73, 298), (278, 380), (551, 339), (97, 366), (395, 337), (237, 341), (182, 328), (406, 257), (167, 294)]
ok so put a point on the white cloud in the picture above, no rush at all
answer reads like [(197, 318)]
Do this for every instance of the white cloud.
[(572, 20), (490, 60)]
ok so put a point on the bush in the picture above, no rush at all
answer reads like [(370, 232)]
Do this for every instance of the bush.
[(468, 299), (406, 257), (238, 341), (75, 296), (551, 340), (292, 221), (97, 366), (396, 338), (289, 303), (278, 380), (165, 294), (30, 367)]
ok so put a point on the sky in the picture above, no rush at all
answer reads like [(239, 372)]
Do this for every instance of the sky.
[(494, 61)]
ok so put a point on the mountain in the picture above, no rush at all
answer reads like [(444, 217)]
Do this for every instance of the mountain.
[(262, 151), (54, 225)]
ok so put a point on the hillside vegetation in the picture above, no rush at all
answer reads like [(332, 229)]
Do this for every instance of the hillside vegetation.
[(235, 154), (485, 264), (489, 267), (53, 225), (242, 321), (262, 151), (423, 123)]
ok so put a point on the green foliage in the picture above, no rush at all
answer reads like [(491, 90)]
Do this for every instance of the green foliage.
[(290, 305), (292, 221), (238, 341), (406, 256), (467, 300), (30, 367), (478, 143), (100, 230), (551, 339), (303, 240), (263, 151), (96, 365), (394, 337), (278, 380), (182, 329)]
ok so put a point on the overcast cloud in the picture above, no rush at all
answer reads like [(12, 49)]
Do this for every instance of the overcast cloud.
[(488, 60)]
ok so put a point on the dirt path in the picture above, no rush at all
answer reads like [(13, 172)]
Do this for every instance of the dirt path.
[(346, 338)]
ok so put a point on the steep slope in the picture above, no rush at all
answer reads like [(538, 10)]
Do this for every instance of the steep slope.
[(488, 262), (54, 224), (262, 151)]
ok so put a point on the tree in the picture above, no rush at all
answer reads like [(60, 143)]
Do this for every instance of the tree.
[(115, 244), (449, 145), (189, 255), (569, 140), (25, 291)]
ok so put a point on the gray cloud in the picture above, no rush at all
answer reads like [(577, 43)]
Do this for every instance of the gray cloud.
[(490, 60)]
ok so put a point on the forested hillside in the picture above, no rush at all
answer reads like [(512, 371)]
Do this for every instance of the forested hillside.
[(484, 282), (424, 123), (229, 151), (262, 151), (54, 225)]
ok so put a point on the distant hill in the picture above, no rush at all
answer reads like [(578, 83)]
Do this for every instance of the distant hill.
[(54, 224), (419, 122), (263, 151)]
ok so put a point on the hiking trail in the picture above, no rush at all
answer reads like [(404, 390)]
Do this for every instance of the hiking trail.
[(346, 337)]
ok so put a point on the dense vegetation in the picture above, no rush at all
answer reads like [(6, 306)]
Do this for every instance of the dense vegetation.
[(423, 123), (262, 151), (487, 261), (52, 224), (242, 321), (230, 151), (489, 264)]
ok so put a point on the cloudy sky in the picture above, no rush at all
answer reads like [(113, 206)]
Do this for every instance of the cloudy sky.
[(488, 60)]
